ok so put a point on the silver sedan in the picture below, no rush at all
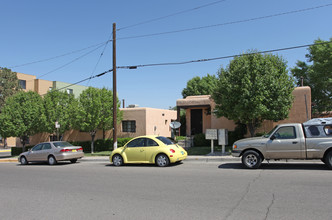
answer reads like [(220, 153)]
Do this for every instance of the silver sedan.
[(52, 152)]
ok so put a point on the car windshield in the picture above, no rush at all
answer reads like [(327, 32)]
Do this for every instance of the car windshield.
[(268, 134), (62, 144), (165, 140)]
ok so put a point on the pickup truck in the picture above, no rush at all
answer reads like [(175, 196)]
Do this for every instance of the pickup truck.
[(310, 140)]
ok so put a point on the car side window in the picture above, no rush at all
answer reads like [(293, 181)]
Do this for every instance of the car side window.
[(314, 130), (285, 133), (151, 143), (47, 146), (139, 142), (37, 147)]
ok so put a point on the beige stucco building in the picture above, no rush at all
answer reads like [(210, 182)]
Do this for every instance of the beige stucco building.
[(199, 113), (146, 121)]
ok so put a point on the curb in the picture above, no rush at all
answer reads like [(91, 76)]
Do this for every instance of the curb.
[(106, 159), (8, 160)]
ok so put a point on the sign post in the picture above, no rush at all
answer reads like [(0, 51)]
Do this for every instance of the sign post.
[(57, 126), (211, 134), (223, 139)]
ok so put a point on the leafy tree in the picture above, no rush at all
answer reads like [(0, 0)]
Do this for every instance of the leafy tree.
[(22, 115), (200, 86), (8, 85), (254, 88), (94, 111), (317, 75), (58, 108)]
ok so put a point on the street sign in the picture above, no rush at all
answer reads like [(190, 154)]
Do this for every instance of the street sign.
[(211, 134)]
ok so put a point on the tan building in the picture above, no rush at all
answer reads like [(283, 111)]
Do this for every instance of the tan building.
[(146, 121), (199, 114)]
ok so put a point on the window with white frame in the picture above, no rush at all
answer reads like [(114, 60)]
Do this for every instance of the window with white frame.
[(70, 91)]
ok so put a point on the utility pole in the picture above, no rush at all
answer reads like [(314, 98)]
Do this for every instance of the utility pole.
[(115, 103)]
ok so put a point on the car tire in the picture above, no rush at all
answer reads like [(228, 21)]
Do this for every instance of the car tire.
[(73, 160), (328, 159), (162, 160), (24, 160), (51, 160), (117, 160), (251, 159)]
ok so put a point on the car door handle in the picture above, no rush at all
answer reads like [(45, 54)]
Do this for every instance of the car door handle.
[(141, 150), (295, 142)]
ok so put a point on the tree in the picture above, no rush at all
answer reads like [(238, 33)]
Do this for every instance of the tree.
[(254, 88), (58, 108), (317, 75), (22, 115), (8, 85), (94, 111), (200, 86)]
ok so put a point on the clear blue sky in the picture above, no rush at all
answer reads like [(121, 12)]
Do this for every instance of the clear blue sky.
[(39, 29)]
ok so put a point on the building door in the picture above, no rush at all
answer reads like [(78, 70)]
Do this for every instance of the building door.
[(196, 121)]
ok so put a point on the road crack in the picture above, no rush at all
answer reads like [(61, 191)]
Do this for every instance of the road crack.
[(269, 207), (243, 195)]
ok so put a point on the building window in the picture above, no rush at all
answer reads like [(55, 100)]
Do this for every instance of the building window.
[(129, 126), (70, 91), (22, 83)]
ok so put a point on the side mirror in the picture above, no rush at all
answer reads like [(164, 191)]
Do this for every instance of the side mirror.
[(272, 137)]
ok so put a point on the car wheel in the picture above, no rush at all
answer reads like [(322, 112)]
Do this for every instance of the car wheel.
[(117, 160), (328, 159), (162, 160), (51, 160), (24, 160), (73, 160), (251, 159)]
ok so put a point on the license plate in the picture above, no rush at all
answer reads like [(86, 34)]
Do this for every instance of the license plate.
[(74, 150)]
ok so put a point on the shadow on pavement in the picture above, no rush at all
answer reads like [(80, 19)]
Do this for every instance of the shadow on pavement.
[(144, 165), (278, 166), (46, 164)]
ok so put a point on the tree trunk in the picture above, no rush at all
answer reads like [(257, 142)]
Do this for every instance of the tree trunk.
[(252, 128), (93, 135), (5, 142), (104, 133)]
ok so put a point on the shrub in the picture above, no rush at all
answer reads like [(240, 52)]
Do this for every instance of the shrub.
[(15, 151), (199, 140)]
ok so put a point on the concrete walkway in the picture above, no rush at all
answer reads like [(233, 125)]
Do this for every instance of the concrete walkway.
[(206, 158)]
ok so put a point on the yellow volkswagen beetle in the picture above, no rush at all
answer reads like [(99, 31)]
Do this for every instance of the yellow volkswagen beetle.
[(148, 149)]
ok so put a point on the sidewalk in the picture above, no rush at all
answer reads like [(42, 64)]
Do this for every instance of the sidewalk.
[(205, 158)]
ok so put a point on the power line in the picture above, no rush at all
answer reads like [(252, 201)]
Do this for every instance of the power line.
[(218, 58), (72, 61), (171, 15), (102, 53), (227, 23), (91, 77), (191, 61), (58, 56)]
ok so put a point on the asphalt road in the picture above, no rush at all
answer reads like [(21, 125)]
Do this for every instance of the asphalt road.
[(192, 190)]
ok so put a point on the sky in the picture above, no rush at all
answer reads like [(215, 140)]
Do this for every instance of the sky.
[(65, 40)]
